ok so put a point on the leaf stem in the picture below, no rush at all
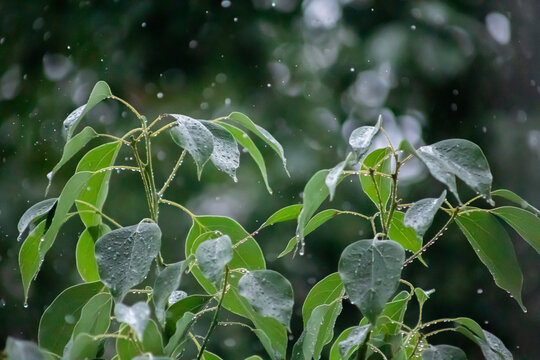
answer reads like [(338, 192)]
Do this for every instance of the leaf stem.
[(123, 141), (95, 209), (173, 173), (183, 208), (439, 331), (160, 130), (216, 314)]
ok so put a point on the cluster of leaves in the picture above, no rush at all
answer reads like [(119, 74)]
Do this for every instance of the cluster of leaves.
[(229, 265)]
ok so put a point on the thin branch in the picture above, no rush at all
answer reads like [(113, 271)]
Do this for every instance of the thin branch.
[(173, 173), (95, 209)]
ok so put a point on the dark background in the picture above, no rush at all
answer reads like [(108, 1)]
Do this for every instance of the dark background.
[(309, 72)]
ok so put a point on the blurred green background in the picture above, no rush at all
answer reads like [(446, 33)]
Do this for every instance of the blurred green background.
[(310, 72)]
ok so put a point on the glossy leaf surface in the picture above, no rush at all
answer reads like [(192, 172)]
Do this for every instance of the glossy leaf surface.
[(493, 246), (212, 256), (225, 154), (59, 319), (443, 352), (356, 337), (95, 315), (136, 316), (420, 215), (85, 252), (382, 183), (287, 213), (166, 282), (326, 291), (516, 199), (334, 175), (457, 157), (35, 211), (100, 92), (370, 271), (523, 222), (124, 256), (360, 139), (404, 235), (195, 138), (269, 293)]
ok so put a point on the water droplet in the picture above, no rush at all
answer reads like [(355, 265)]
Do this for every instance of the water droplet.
[(480, 291), (159, 95), (25, 305)]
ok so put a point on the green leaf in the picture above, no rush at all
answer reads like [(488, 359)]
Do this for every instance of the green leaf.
[(243, 139), (212, 257), (327, 291), (422, 295), (272, 335), (370, 271), (335, 174), (65, 202), (72, 147), (152, 342), (100, 92), (207, 355), (23, 350), (318, 331), (195, 138), (360, 139), (383, 183), (247, 256), (97, 188), (84, 346), (124, 256), (315, 193), (525, 223), (59, 319), (493, 246), (316, 221), (270, 294), (471, 326), (443, 352), (495, 345), (33, 213), (151, 357), (177, 341), (254, 357), (394, 311), (287, 213), (491, 346), (420, 215), (457, 157), (225, 155), (334, 350), (136, 316), (95, 316), (509, 195), (263, 134), (356, 338), (85, 254), (192, 304), (404, 235), (167, 281), (29, 259)]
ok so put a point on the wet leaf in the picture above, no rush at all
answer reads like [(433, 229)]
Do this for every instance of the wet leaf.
[(420, 215), (318, 332), (29, 259), (370, 271), (167, 281), (136, 316), (516, 199), (151, 343), (97, 187), (287, 213), (34, 212), (225, 155), (177, 341), (404, 235), (270, 294), (72, 147), (422, 295), (272, 335), (356, 337), (334, 350), (191, 303), (327, 291), (124, 256), (85, 254), (315, 193), (84, 346), (493, 246), (335, 174), (95, 316), (443, 352), (524, 222), (360, 139), (100, 92), (24, 350), (457, 157), (384, 184), (243, 139), (207, 355), (264, 135), (212, 257), (195, 138), (59, 319), (316, 221)]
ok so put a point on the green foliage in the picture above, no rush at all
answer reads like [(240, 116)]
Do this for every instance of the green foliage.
[(91, 319)]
